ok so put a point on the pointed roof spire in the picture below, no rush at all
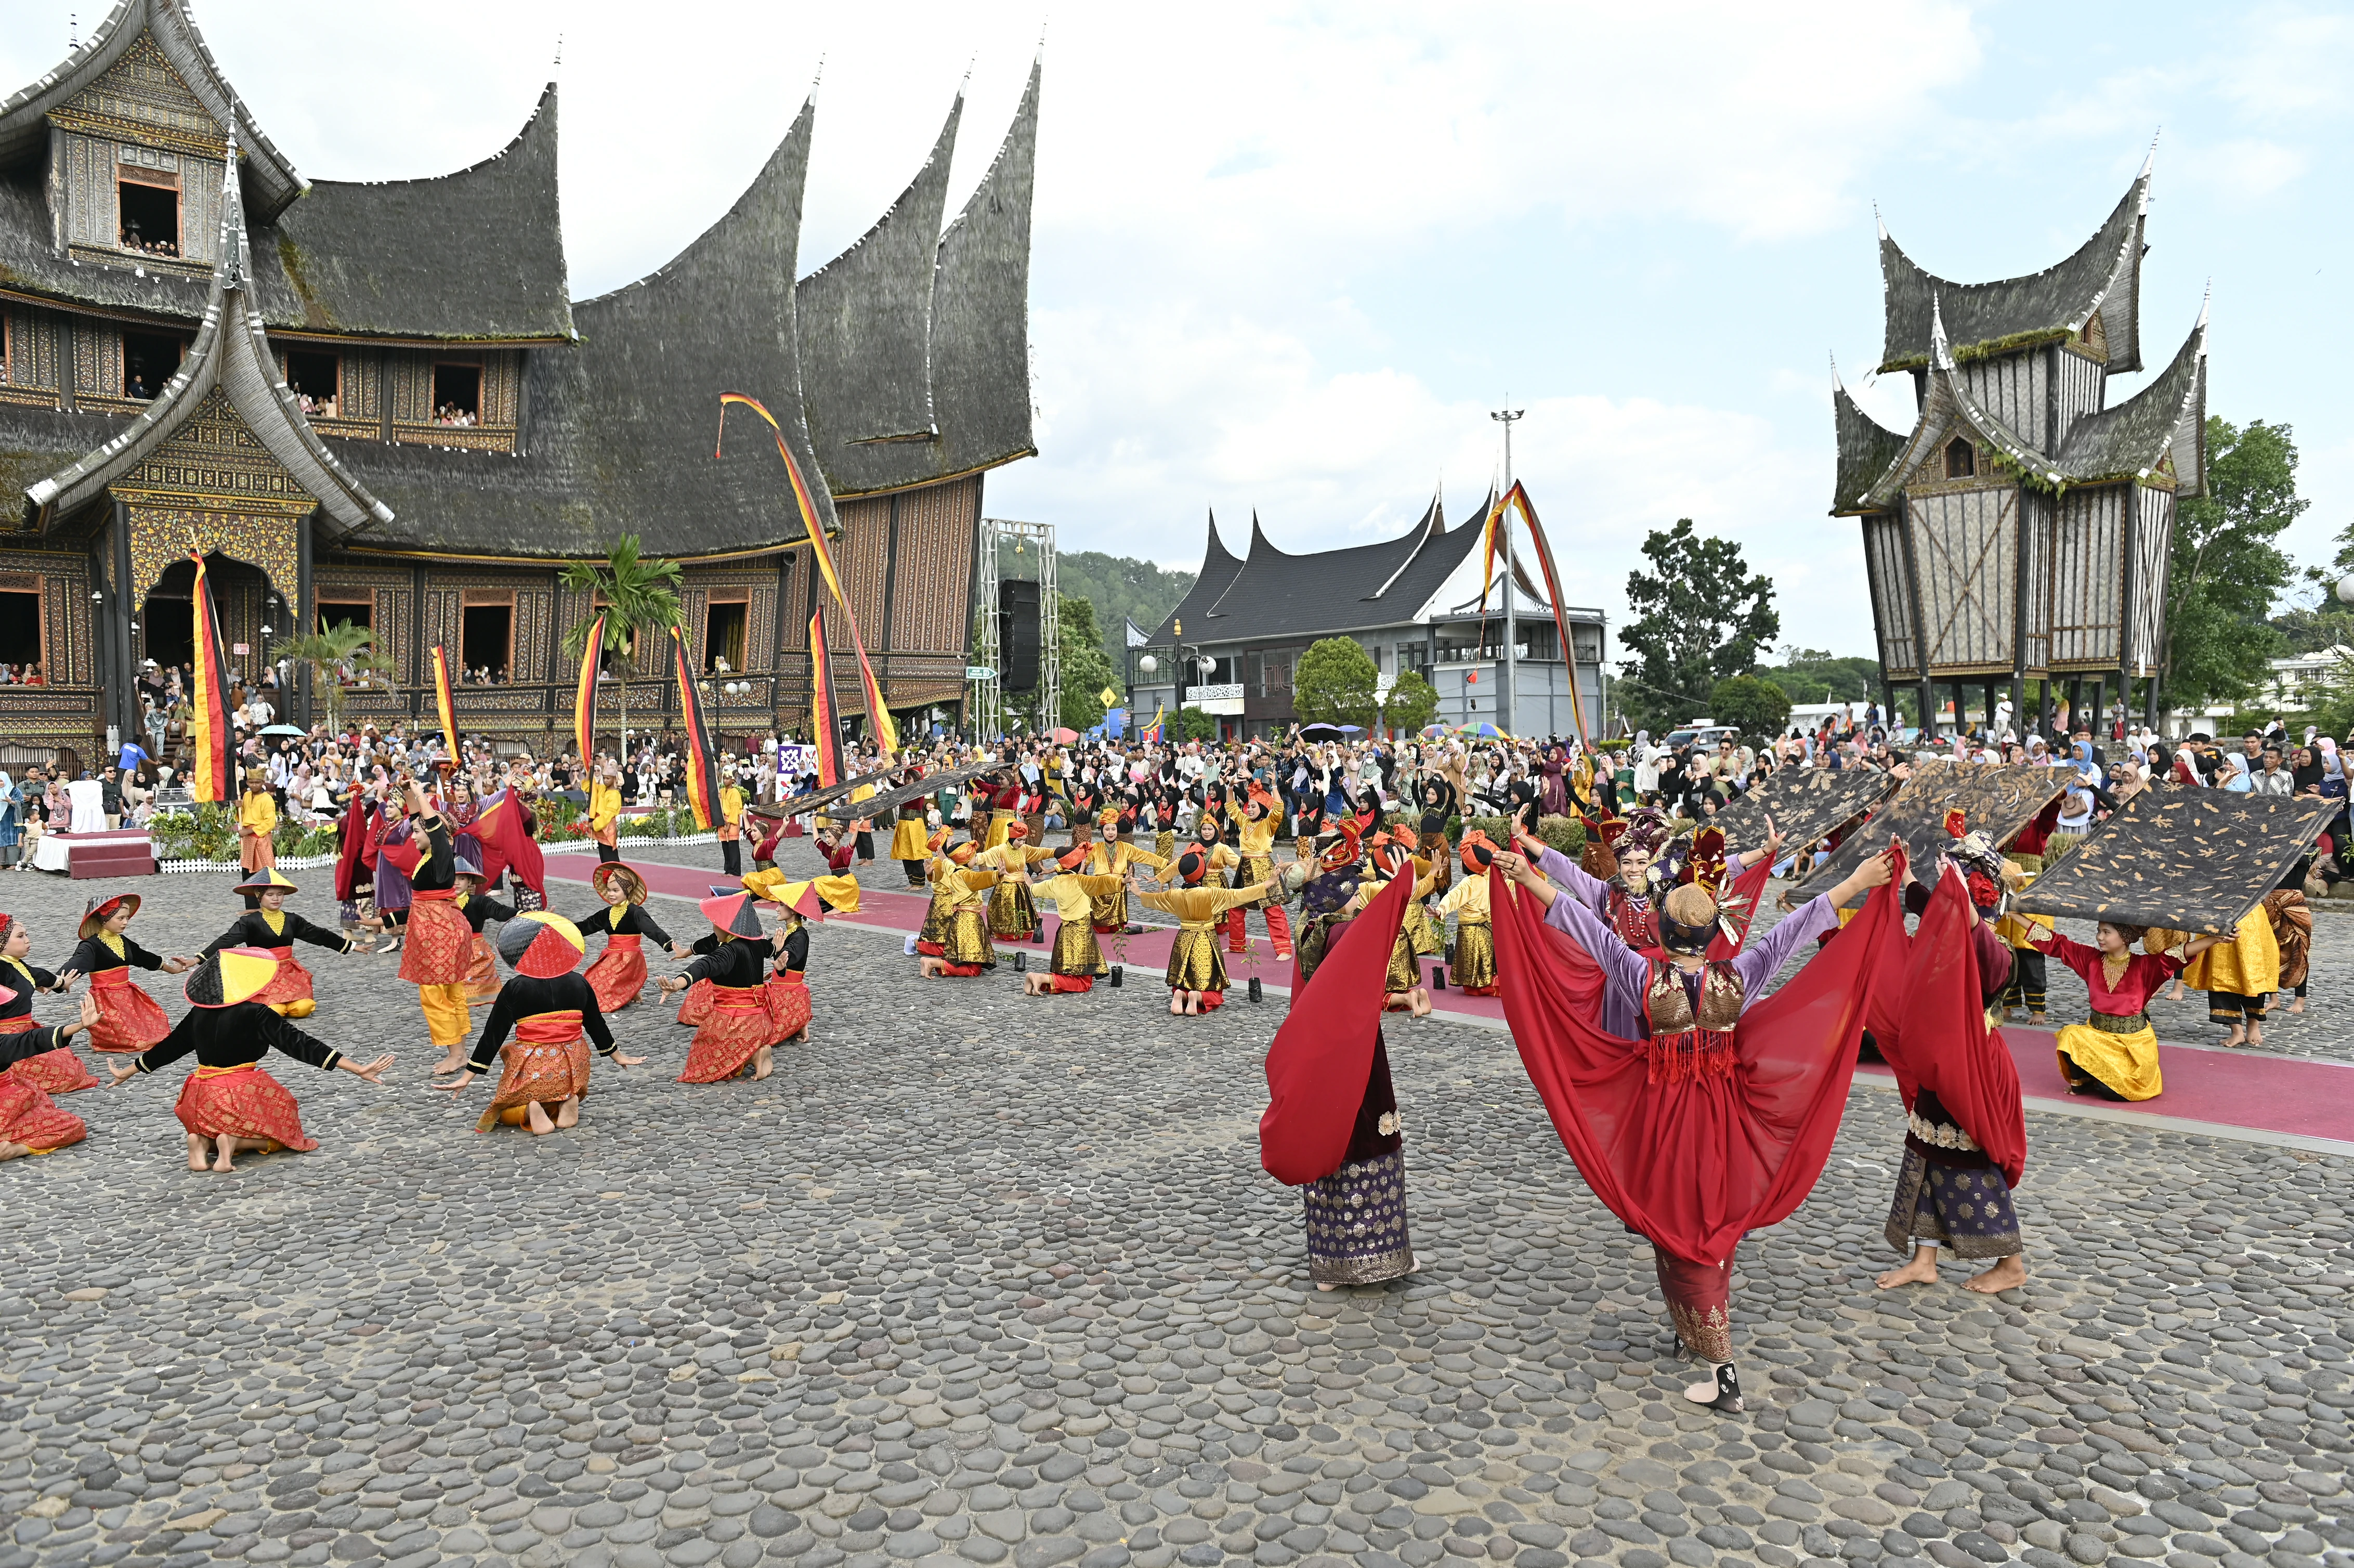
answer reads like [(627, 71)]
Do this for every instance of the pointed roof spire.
[(2205, 300), (1879, 222), (1941, 354), (1836, 385)]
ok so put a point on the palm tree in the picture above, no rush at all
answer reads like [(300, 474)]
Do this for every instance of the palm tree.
[(639, 595), (327, 654)]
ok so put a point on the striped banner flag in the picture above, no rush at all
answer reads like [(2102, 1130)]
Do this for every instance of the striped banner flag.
[(825, 726), (442, 703), (213, 774), (702, 756), (584, 702)]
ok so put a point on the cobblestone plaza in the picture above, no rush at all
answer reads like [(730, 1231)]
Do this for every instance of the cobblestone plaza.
[(973, 1279)]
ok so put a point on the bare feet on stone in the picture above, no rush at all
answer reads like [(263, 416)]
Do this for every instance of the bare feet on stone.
[(2006, 1275), (1922, 1270)]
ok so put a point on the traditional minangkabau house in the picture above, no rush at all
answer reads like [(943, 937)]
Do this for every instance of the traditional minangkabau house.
[(2020, 532), (377, 402)]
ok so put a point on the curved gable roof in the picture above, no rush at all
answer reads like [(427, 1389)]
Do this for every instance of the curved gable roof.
[(1219, 565), (474, 254), (2168, 416), (271, 179)]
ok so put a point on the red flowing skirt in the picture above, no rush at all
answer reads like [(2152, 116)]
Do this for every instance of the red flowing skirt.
[(30, 1117), (241, 1102), (57, 1072), (549, 1072), (789, 1005), (695, 1010), (481, 972), (292, 984), (439, 943), (129, 1020), (738, 1025), (1074, 982), (619, 972)]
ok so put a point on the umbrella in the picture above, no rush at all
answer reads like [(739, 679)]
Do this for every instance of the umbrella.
[(1484, 731), (1320, 732), (1062, 736), (1353, 729), (1433, 731), (283, 729)]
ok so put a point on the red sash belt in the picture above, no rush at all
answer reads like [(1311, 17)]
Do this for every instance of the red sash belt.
[(549, 1028), (792, 977), (434, 895), (282, 953), (21, 1024), (111, 978), (739, 998), (629, 940)]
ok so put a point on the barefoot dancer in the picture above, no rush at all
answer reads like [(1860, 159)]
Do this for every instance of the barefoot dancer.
[(54, 1069), (966, 949), (1261, 815), (547, 1007), (735, 959), (2239, 977), (1473, 962), (1197, 975), (1661, 1124), (129, 1019), (2292, 919), (1963, 1158), (441, 941), (269, 927), (30, 1122), (619, 972), (228, 1104), (1076, 959), (1389, 859)]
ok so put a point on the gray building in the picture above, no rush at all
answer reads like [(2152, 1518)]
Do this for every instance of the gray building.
[(1411, 603)]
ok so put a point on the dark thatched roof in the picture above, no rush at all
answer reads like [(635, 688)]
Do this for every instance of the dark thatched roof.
[(1867, 451), (2104, 274), (2167, 416), (1219, 565)]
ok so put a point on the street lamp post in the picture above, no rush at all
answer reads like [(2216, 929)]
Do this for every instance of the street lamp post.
[(1506, 697)]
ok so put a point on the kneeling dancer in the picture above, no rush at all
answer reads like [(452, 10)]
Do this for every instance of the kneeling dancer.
[(1197, 975), (269, 927), (2112, 1055), (1714, 1120), (738, 1030), (54, 1069), (31, 1122), (1076, 958), (548, 1008), (228, 1104)]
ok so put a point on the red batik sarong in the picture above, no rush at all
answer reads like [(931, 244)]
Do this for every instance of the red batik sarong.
[(241, 1102), (30, 1117), (546, 1063), (789, 1005), (129, 1020), (481, 972), (739, 1024), (694, 1012), (619, 972), (439, 943), (292, 983), (57, 1072)]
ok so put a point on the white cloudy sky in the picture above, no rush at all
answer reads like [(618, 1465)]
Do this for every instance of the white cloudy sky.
[(1287, 257)]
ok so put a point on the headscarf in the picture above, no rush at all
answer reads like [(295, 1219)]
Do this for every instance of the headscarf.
[(2308, 775), (2235, 776)]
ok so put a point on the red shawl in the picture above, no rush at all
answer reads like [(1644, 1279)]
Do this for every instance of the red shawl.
[(355, 849), (1322, 1056), (502, 828), (1943, 1044), (1694, 1164)]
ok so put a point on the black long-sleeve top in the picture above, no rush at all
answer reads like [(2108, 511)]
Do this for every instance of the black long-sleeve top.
[(525, 996), (16, 1048), (795, 956), (477, 909), (104, 952), (624, 920), (741, 962), (437, 871), (18, 982), (235, 1037), (260, 929)]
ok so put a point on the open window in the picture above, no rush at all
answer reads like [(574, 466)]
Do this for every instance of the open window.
[(1961, 458), (149, 360), (20, 622), (486, 638), (457, 394), (167, 630), (316, 381), (333, 613), (150, 216), (723, 633)]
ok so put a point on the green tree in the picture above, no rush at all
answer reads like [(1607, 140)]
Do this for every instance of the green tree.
[(1121, 589), (1413, 703), (1193, 723), (1334, 683), (328, 654), (1815, 675), (1087, 673), (2225, 570), (1699, 616), (639, 597), (1756, 707)]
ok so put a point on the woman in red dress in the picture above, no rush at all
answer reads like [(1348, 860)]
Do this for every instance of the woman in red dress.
[(553, 1014), (619, 972), (129, 1020), (229, 1106), (55, 1070), (738, 1030), (269, 928), (31, 1122)]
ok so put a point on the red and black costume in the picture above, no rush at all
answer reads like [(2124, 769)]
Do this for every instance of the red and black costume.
[(549, 1061), (619, 972), (276, 934), (27, 1115), (229, 1094), (54, 1069), (737, 1022), (129, 1019)]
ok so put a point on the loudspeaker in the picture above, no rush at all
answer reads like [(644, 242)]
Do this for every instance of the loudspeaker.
[(1017, 634)]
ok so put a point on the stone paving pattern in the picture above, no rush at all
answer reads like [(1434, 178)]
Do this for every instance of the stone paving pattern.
[(973, 1280)]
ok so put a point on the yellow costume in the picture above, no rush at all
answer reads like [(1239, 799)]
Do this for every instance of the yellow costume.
[(1112, 857), (1194, 961), (1073, 894), (2240, 975), (604, 810), (968, 942), (1474, 959), (1011, 911), (257, 820), (1402, 976)]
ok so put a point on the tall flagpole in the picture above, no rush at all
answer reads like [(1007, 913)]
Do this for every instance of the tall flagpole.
[(1508, 697)]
